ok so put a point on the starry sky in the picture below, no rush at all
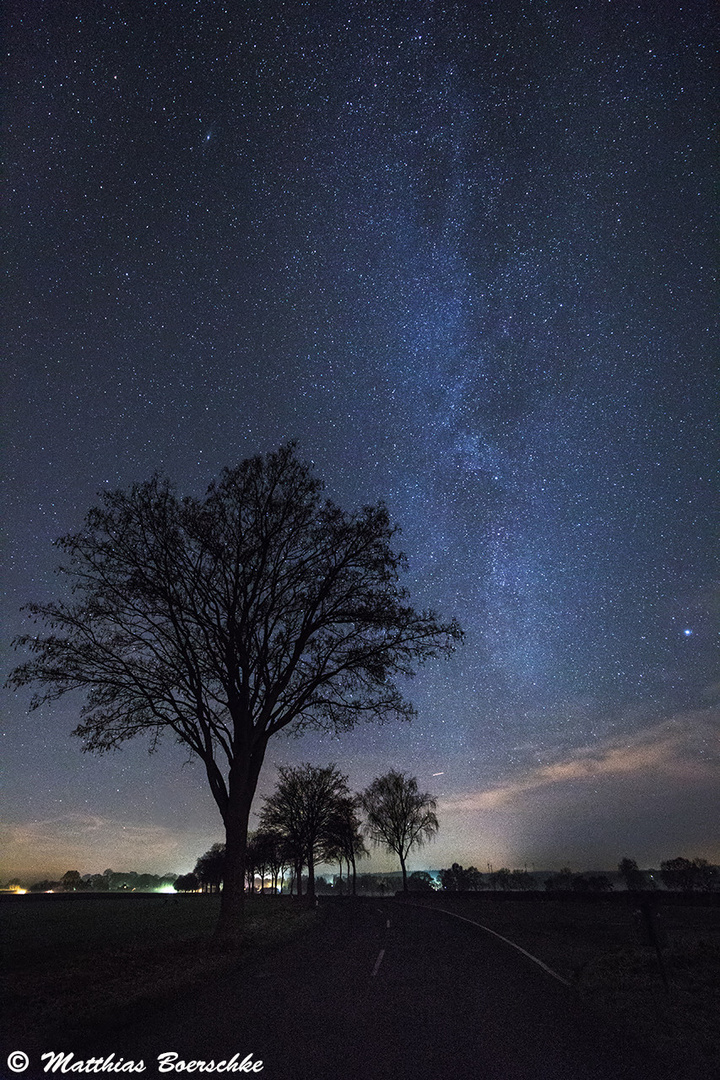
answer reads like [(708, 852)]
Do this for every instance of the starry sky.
[(462, 252)]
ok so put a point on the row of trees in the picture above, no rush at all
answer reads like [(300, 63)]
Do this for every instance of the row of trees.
[(690, 875), (680, 874), (270, 857), (459, 879), (312, 817), (108, 881)]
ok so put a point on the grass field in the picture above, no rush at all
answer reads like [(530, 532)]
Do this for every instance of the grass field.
[(597, 947), (75, 963), (37, 930)]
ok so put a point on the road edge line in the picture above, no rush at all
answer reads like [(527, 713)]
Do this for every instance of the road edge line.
[(462, 918)]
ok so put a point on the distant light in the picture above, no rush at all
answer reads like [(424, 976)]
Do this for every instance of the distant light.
[(687, 632)]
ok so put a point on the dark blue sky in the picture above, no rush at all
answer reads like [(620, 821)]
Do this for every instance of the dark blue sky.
[(462, 253)]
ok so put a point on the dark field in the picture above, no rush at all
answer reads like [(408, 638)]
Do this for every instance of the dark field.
[(73, 964), (70, 964), (596, 945), (61, 928)]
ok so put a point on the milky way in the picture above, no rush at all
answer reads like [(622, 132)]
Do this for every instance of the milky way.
[(461, 253)]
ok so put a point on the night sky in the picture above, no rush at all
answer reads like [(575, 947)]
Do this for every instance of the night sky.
[(462, 252)]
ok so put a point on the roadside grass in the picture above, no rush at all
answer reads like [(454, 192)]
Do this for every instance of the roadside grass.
[(684, 1019), (36, 931), (596, 946), (75, 965)]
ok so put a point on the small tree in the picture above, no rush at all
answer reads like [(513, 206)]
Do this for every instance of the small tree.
[(521, 879), (72, 881), (399, 817), (45, 886), (224, 620), (633, 877), (560, 882), (303, 808), (501, 879), (343, 840), (459, 879), (210, 868), (186, 883), (272, 855), (421, 881), (266, 856), (599, 883)]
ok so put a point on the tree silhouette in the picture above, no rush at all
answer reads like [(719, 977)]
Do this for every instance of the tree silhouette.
[(501, 879), (186, 883), (522, 880), (689, 874), (561, 881), (343, 840), (210, 868), (399, 817), (303, 807), (421, 881), (72, 881), (223, 620), (266, 854), (633, 877), (457, 879)]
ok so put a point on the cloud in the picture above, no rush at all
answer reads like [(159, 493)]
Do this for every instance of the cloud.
[(90, 843), (682, 750), (651, 795)]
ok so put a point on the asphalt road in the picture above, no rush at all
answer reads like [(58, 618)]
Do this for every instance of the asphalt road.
[(387, 992)]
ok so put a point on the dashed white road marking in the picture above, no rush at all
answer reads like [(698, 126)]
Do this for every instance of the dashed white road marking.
[(378, 962), (387, 924)]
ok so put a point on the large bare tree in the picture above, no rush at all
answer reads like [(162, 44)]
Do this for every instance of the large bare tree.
[(224, 620)]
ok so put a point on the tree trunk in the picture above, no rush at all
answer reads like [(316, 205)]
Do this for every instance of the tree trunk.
[(228, 932), (242, 781), (404, 873)]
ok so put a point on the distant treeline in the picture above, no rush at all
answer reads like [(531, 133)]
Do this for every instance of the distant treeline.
[(679, 874), (109, 881)]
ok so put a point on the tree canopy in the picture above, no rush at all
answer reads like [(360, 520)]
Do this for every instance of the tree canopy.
[(210, 868), (304, 809), (225, 619), (343, 840), (398, 815)]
